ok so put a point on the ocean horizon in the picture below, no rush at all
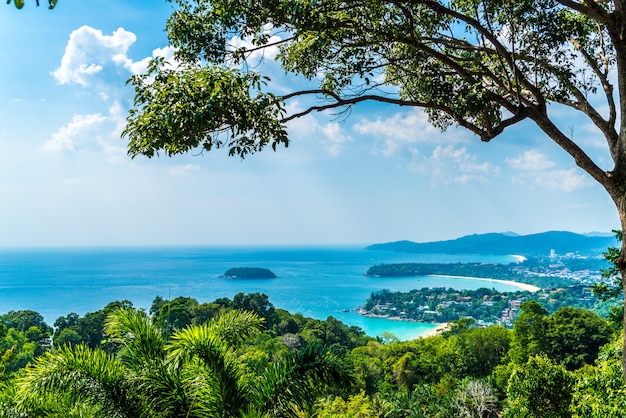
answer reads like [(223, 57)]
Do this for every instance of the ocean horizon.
[(317, 281)]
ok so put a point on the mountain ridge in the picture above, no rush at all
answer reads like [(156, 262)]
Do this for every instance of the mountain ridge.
[(494, 243)]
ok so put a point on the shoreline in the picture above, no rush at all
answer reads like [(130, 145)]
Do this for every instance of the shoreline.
[(435, 331), (439, 326), (523, 286)]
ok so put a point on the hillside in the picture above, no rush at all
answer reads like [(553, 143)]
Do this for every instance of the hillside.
[(561, 242)]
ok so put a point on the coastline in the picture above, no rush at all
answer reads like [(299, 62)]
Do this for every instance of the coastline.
[(523, 286), (442, 326), (435, 331), (439, 326)]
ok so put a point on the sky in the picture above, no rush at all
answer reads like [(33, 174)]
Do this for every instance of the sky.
[(381, 174)]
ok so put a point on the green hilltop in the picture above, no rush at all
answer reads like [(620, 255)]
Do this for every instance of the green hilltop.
[(561, 242)]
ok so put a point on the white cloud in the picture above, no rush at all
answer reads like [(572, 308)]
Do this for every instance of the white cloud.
[(451, 165), (403, 129), (334, 138), (331, 135), (536, 168), (183, 170), (92, 130), (141, 66), (65, 138), (89, 51), (564, 180), (530, 160)]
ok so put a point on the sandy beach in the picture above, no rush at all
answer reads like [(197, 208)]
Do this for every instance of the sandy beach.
[(523, 286), (435, 331)]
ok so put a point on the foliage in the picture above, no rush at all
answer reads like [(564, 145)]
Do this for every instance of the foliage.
[(600, 391), (208, 107), (24, 320), (611, 288), (234, 365), (88, 329), (575, 336), (539, 389), (175, 314), (570, 336), (497, 63), (20, 3), (197, 373), (356, 406)]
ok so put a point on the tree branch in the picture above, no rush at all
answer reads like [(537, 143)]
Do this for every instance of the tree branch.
[(485, 134), (589, 8), (501, 49), (580, 157)]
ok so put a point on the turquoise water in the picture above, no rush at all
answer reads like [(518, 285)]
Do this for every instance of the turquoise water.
[(318, 282)]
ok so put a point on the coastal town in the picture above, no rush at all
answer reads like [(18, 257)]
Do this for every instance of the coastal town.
[(557, 281)]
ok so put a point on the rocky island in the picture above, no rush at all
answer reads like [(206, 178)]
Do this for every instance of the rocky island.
[(249, 273)]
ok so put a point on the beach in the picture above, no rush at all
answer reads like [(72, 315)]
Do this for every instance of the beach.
[(435, 331), (523, 286)]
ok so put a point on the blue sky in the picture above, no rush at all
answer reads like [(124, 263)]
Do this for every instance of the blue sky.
[(383, 174)]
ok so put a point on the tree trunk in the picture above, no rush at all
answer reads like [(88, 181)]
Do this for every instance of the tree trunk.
[(620, 202)]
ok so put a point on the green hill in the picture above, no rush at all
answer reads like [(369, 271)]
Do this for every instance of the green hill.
[(561, 242)]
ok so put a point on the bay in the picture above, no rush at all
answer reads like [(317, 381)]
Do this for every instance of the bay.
[(315, 281)]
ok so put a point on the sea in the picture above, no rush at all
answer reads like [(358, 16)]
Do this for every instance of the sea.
[(316, 281)]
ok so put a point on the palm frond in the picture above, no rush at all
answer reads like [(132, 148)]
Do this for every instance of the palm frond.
[(236, 326), (297, 379), (211, 346), (142, 341), (81, 373), (178, 392)]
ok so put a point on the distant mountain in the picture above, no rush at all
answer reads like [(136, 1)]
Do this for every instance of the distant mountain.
[(561, 242)]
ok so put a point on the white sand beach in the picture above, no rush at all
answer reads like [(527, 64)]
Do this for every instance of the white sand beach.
[(523, 286), (435, 331)]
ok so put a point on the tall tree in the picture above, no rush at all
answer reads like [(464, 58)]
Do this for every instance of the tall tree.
[(484, 65)]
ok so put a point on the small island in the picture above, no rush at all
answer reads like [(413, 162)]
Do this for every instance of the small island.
[(249, 273)]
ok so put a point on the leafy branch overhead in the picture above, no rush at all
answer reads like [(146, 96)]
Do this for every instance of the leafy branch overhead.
[(482, 65), (20, 3)]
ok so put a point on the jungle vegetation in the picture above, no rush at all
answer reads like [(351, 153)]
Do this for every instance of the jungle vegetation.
[(243, 357)]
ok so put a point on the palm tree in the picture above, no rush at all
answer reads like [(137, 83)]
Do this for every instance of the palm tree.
[(195, 374), (77, 375)]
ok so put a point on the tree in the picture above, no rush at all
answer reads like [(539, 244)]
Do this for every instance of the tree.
[(476, 400), (20, 3), (539, 389), (529, 332), (258, 303), (570, 336), (23, 320), (197, 373), (575, 336), (611, 287), (482, 65), (175, 314), (599, 391)]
